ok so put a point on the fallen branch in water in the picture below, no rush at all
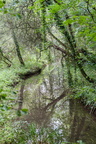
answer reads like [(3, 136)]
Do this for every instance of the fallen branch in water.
[(64, 94), (30, 73)]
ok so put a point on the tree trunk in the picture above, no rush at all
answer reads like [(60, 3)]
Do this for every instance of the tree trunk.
[(17, 48), (72, 43)]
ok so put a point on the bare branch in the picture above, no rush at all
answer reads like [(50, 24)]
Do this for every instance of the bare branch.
[(60, 42)]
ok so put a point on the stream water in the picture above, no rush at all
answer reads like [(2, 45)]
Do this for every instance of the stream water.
[(49, 106)]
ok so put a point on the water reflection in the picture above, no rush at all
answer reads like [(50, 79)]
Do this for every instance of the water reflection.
[(77, 122), (47, 100), (20, 99), (82, 126)]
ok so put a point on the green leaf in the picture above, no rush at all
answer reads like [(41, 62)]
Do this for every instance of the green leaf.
[(1, 4), (18, 16), (54, 8), (24, 111), (5, 11), (31, 7), (3, 96), (69, 21), (18, 113), (4, 107)]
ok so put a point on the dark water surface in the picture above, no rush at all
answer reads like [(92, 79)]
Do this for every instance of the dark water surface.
[(49, 105)]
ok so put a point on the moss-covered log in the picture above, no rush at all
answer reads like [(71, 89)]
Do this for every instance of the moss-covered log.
[(30, 73), (24, 76)]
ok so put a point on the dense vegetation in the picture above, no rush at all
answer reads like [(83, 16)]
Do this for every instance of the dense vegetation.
[(37, 33)]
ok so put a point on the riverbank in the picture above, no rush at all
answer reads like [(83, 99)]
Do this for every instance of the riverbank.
[(44, 103)]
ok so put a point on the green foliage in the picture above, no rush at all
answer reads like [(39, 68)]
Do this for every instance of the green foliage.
[(55, 8), (22, 132), (22, 112), (82, 20), (1, 4), (87, 93), (8, 95)]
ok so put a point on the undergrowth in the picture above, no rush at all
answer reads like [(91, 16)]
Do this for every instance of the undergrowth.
[(21, 132), (84, 90), (9, 96)]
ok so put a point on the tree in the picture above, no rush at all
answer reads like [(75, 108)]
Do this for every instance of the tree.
[(68, 31)]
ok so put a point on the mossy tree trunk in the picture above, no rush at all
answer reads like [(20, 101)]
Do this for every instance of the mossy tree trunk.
[(17, 48)]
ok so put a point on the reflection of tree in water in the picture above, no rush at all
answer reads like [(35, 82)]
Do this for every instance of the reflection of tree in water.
[(20, 100), (77, 122), (82, 126), (43, 104), (43, 100), (42, 114), (42, 109)]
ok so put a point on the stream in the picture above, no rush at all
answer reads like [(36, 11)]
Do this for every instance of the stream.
[(47, 100)]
